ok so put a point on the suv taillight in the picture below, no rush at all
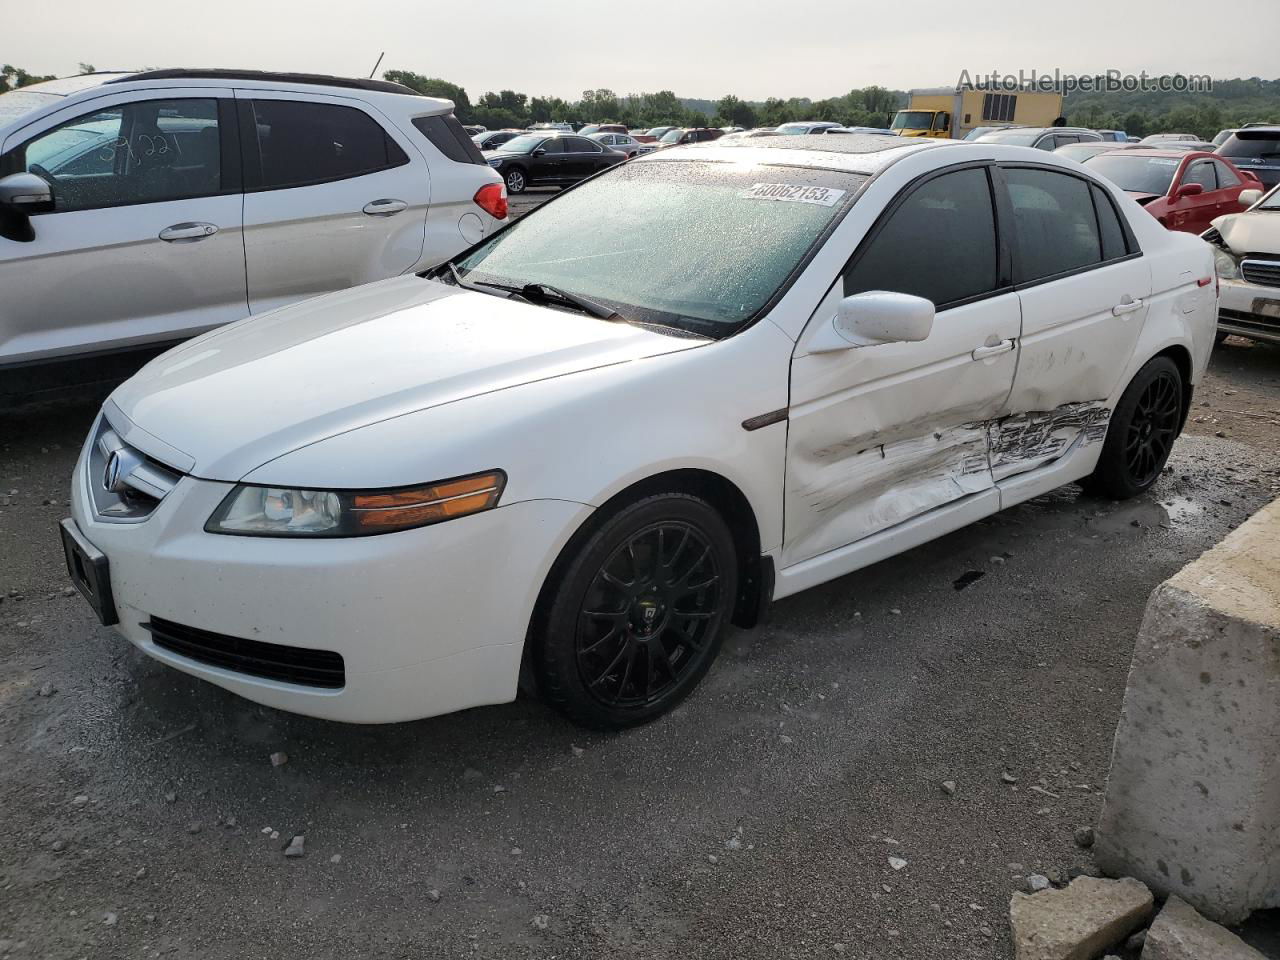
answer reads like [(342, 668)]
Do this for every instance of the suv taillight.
[(492, 199)]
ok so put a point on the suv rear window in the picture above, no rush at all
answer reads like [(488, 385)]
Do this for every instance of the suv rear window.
[(447, 136), (1256, 146)]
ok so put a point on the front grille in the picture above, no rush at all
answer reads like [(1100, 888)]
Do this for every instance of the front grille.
[(271, 661), (124, 483), (1264, 272)]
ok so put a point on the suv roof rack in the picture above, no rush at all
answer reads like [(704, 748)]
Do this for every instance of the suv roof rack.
[(319, 79)]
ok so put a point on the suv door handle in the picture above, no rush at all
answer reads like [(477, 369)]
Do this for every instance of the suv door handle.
[(188, 232), (1127, 305), (992, 350), (384, 208)]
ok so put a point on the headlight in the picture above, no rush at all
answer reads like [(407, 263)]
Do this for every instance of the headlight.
[(1228, 267), (291, 512), (496, 161)]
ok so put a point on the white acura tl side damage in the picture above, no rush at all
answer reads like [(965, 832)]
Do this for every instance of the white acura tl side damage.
[(588, 450)]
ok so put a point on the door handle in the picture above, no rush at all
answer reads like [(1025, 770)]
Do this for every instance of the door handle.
[(992, 350), (187, 232), (384, 208), (1127, 305)]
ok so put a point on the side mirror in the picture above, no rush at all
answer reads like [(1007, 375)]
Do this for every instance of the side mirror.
[(26, 193), (1248, 198), (1188, 190), (539, 152), (875, 317)]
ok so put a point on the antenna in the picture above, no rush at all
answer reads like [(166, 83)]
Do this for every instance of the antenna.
[(378, 64)]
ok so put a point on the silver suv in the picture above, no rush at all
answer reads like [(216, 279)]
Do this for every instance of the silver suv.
[(141, 209)]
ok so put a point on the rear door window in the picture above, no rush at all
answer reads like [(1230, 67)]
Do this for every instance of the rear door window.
[(302, 142), (939, 243), (1055, 223), (1225, 177)]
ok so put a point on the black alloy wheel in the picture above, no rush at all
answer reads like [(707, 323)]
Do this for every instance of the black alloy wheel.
[(638, 614), (1140, 437), (1153, 428)]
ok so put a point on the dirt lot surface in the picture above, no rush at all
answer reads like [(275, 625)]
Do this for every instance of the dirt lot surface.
[(143, 816)]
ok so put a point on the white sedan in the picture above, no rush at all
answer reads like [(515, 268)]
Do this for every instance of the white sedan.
[(702, 381)]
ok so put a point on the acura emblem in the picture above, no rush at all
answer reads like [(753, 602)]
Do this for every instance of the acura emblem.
[(120, 464)]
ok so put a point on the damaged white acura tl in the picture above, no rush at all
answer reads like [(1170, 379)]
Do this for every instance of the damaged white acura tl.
[(704, 380)]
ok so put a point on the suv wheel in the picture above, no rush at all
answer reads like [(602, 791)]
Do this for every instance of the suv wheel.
[(638, 613), (516, 180)]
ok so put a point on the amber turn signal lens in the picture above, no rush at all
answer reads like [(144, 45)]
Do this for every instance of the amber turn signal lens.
[(417, 506)]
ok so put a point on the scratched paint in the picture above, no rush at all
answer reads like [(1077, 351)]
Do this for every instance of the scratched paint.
[(1028, 440), (848, 493), (849, 488)]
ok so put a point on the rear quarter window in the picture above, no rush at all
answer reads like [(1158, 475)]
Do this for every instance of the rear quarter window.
[(447, 135)]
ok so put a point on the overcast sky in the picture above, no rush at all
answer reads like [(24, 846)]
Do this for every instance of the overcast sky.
[(698, 48)]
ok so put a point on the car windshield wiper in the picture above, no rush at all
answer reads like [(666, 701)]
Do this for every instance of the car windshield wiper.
[(479, 285), (544, 291)]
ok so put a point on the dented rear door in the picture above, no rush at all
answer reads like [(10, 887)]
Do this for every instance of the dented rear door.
[(1084, 288)]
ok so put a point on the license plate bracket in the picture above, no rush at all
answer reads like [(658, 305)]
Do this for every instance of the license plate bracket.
[(87, 567)]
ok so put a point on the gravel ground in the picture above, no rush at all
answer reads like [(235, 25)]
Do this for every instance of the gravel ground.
[(144, 817)]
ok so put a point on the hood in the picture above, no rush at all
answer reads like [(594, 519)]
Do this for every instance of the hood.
[(1255, 231), (238, 397)]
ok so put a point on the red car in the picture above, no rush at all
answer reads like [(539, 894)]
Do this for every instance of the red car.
[(1183, 190)]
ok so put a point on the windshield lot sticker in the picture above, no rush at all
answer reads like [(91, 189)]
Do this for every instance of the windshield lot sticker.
[(795, 193)]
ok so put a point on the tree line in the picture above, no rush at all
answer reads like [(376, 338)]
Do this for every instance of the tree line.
[(1232, 103)]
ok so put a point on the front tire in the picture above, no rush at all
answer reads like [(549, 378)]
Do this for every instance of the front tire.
[(637, 613), (1140, 437), (517, 180)]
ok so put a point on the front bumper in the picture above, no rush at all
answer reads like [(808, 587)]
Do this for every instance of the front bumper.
[(427, 621), (1240, 310)]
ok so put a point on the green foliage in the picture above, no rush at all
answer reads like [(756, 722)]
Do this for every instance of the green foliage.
[(11, 78), (434, 87), (1232, 103)]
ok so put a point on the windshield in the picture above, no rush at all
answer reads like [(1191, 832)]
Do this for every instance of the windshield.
[(1016, 138), (913, 120), (672, 136), (1136, 174), (791, 129), (1252, 146), (522, 144), (17, 102), (657, 131), (698, 246)]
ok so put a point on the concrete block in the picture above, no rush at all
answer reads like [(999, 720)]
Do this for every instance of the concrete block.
[(1078, 922), (1193, 798), (1180, 933)]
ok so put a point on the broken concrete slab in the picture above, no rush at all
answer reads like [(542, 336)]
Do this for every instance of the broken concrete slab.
[(1080, 921), (1180, 933), (1193, 799)]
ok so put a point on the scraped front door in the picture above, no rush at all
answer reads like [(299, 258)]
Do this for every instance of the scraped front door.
[(881, 434)]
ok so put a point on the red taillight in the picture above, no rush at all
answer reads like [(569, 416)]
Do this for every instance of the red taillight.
[(492, 199)]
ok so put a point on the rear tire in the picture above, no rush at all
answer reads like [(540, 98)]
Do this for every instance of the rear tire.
[(637, 613), (1144, 425)]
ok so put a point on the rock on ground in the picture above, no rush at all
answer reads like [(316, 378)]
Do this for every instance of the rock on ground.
[(1180, 933), (1080, 921)]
